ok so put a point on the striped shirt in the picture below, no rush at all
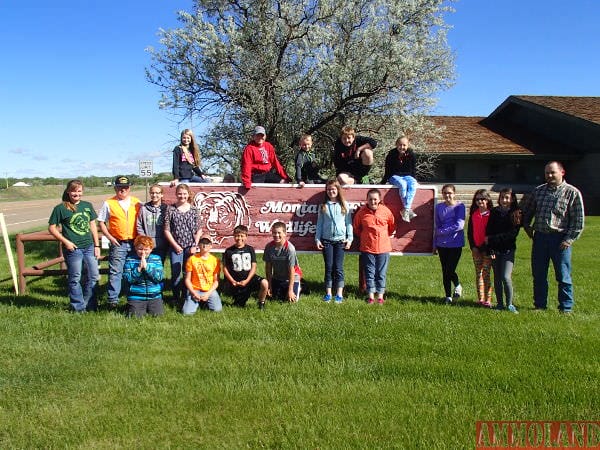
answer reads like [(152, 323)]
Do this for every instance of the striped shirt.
[(556, 209)]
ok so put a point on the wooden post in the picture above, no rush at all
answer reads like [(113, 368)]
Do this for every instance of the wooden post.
[(9, 253), (21, 260)]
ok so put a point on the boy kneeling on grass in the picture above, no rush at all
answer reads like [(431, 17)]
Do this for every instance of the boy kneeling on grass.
[(143, 272), (281, 266), (202, 271), (239, 268)]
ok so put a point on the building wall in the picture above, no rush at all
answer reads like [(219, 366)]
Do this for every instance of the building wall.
[(487, 169), (583, 174)]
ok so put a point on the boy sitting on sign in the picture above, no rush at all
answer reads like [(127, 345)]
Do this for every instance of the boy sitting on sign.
[(353, 157)]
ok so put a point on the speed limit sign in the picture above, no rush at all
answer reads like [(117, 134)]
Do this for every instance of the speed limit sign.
[(146, 170)]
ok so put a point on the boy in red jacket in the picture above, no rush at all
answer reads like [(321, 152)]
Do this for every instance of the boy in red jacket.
[(260, 163)]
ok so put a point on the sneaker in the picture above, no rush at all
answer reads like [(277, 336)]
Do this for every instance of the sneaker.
[(339, 299), (327, 298), (411, 214), (370, 301), (261, 305), (512, 309), (448, 300), (500, 307), (405, 215), (486, 304), (380, 300), (457, 291)]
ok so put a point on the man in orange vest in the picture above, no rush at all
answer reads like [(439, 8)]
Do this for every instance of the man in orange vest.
[(117, 218)]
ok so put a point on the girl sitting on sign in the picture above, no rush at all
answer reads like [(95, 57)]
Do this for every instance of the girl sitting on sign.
[(186, 160)]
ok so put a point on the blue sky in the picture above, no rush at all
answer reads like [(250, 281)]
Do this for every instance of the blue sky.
[(75, 102)]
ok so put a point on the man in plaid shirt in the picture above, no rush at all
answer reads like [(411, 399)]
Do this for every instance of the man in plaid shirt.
[(557, 210)]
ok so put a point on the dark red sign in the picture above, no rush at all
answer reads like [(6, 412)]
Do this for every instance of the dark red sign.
[(224, 206)]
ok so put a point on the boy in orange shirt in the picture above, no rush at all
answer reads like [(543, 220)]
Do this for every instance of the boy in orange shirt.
[(202, 271), (374, 224)]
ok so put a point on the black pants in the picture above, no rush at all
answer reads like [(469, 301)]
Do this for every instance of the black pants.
[(266, 177), (449, 257)]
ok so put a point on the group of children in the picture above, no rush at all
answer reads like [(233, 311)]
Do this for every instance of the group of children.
[(492, 234), (352, 158), (195, 272)]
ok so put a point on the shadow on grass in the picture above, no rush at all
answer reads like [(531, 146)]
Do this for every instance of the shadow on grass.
[(52, 294), (393, 296), (31, 301)]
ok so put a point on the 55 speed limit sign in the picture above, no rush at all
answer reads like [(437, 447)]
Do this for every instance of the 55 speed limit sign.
[(146, 170)]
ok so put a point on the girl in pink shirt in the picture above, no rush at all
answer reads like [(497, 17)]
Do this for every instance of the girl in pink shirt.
[(478, 218)]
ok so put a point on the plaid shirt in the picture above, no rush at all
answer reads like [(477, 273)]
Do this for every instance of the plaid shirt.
[(556, 210)]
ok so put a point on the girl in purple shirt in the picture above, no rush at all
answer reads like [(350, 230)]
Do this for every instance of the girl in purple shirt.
[(449, 239)]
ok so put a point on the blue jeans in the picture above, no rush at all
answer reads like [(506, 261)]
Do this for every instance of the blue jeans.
[(178, 261), (191, 306), (116, 262), (375, 267), (333, 256), (407, 187), (503, 266), (194, 179), (82, 299), (546, 248)]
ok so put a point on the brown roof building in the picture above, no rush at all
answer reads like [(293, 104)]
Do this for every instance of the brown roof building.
[(512, 145)]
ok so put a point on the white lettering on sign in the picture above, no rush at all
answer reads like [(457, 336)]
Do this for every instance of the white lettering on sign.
[(300, 209)]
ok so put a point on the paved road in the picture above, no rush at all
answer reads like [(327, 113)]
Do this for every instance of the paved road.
[(32, 214)]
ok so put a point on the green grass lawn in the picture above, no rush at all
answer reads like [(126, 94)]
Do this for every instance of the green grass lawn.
[(413, 373)]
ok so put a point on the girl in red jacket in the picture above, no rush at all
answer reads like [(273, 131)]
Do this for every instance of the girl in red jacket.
[(479, 215)]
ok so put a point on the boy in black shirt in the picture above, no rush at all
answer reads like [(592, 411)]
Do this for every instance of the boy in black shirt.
[(353, 157), (239, 268)]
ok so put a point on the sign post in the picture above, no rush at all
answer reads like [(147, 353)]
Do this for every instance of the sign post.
[(146, 171)]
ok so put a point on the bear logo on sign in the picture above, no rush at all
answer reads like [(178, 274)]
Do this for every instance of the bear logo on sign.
[(221, 212)]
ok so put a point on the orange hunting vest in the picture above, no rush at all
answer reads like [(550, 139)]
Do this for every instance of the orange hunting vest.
[(121, 224)]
